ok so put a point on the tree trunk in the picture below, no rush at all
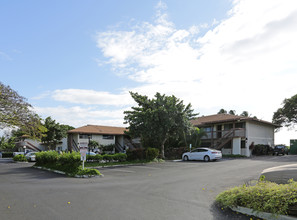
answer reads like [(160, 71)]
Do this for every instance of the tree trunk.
[(163, 149)]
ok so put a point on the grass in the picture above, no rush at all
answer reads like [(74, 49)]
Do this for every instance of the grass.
[(104, 164), (265, 196)]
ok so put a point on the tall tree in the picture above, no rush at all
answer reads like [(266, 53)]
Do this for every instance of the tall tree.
[(245, 114), (222, 111), (155, 120), (15, 111), (55, 133), (232, 112), (286, 115)]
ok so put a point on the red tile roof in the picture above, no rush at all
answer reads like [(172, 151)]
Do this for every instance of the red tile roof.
[(98, 129), (225, 118)]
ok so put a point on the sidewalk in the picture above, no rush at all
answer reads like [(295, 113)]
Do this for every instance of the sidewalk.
[(281, 174)]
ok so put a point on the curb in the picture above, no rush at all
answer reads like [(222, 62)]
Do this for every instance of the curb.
[(63, 173), (264, 215)]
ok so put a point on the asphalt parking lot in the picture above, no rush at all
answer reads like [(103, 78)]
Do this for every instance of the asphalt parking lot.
[(170, 190)]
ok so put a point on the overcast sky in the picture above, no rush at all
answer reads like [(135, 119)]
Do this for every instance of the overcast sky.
[(76, 61)]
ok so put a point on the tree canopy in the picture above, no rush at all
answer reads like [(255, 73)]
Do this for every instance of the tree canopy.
[(55, 133), (15, 111), (155, 120), (286, 115)]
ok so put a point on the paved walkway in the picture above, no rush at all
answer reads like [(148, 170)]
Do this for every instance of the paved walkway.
[(281, 174)]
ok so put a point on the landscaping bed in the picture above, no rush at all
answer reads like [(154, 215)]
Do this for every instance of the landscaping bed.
[(68, 163), (264, 196)]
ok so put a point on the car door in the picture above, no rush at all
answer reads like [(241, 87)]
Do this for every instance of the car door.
[(201, 154), (194, 154)]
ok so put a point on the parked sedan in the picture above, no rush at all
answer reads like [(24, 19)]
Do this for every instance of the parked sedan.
[(206, 154), (31, 156), (91, 153)]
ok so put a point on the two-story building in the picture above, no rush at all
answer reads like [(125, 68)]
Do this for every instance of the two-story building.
[(104, 135), (234, 134)]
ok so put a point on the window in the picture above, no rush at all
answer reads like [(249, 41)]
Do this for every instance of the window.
[(108, 137), (228, 127), (85, 136), (240, 125), (207, 129)]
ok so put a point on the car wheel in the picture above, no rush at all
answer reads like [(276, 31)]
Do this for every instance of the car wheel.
[(206, 159), (186, 158)]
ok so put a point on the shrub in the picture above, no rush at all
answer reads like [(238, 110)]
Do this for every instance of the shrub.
[(20, 157), (108, 147), (108, 157), (72, 158), (7, 154), (151, 153), (89, 172), (265, 196), (261, 149), (91, 157), (98, 157), (121, 157), (175, 153), (136, 154), (46, 157)]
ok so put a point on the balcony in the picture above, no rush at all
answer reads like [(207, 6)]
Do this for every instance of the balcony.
[(234, 132)]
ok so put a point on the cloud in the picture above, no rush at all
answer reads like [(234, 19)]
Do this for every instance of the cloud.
[(78, 116), (245, 62), (91, 97)]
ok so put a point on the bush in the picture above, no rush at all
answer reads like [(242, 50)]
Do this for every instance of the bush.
[(91, 157), (109, 147), (7, 154), (46, 157), (265, 196), (98, 157), (88, 172), (20, 157), (107, 157), (175, 153), (135, 154), (151, 153), (121, 157), (73, 159), (262, 149)]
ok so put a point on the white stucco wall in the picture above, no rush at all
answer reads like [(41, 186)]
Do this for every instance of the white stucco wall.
[(259, 134)]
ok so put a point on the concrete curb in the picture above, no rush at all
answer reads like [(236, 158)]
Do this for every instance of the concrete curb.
[(263, 215), (63, 173)]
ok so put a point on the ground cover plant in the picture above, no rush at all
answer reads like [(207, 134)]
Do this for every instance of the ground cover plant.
[(70, 163), (265, 196)]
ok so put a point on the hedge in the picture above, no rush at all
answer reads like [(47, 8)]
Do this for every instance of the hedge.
[(265, 196), (262, 149), (7, 154), (70, 163), (20, 157)]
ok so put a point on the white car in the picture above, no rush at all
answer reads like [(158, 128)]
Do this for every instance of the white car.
[(206, 154), (31, 156)]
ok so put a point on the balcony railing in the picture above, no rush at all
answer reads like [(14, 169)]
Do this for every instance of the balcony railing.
[(234, 132)]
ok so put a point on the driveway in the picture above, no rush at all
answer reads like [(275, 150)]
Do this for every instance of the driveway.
[(170, 190)]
